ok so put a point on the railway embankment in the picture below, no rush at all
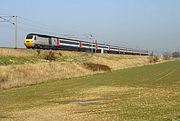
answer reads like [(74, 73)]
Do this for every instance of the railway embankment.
[(21, 67)]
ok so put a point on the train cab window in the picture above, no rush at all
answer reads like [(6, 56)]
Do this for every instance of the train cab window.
[(29, 37), (35, 38)]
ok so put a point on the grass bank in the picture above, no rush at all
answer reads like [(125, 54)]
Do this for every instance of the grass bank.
[(26, 67), (143, 93)]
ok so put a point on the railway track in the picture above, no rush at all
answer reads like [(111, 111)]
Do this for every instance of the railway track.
[(51, 50), (11, 48)]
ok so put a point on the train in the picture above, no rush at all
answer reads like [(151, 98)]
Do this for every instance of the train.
[(40, 41)]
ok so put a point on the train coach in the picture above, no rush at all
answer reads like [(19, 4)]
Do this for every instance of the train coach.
[(39, 41)]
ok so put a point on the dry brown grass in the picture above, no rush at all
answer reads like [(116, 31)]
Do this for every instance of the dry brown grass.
[(16, 52), (18, 75), (116, 62), (73, 65)]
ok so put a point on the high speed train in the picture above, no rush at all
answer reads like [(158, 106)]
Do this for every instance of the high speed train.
[(39, 41)]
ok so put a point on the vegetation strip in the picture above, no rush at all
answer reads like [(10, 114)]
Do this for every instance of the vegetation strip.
[(28, 67)]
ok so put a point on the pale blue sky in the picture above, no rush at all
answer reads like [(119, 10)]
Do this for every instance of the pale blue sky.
[(146, 24)]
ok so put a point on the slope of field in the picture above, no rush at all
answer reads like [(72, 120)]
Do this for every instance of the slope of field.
[(149, 92), (19, 67)]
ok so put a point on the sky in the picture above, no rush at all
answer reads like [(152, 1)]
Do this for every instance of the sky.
[(152, 25)]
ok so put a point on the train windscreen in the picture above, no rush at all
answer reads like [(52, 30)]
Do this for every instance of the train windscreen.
[(29, 37)]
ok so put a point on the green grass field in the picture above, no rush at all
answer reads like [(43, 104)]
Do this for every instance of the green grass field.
[(149, 93)]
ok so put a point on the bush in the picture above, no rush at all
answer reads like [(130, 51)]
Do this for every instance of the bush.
[(176, 54), (166, 57), (3, 79), (153, 59), (50, 56), (38, 52), (97, 67), (60, 54)]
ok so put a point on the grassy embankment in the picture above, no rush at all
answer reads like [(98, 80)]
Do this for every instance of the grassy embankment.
[(26, 67), (143, 93)]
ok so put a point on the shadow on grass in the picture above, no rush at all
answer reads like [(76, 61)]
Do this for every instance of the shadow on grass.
[(97, 67)]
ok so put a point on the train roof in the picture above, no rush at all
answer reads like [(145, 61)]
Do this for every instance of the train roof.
[(48, 36)]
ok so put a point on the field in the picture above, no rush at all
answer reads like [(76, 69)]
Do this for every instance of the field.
[(149, 92)]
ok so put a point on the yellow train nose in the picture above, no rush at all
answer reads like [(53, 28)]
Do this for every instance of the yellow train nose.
[(28, 42)]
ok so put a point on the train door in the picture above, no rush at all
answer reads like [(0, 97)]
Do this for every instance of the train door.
[(54, 41)]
